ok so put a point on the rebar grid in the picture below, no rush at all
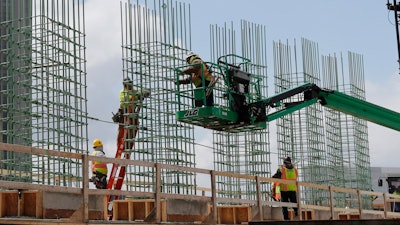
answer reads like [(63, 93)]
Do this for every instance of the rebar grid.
[(304, 135), (244, 152), (156, 36), (43, 86)]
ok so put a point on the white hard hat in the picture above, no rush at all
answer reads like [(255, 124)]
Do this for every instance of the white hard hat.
[(190, 54)]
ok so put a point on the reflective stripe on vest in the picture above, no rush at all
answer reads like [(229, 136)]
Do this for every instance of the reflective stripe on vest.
[(277, 188), (197, 77), (289, 174), (99, 167)]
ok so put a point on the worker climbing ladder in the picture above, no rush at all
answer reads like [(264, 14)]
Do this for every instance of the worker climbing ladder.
[(127, 131)]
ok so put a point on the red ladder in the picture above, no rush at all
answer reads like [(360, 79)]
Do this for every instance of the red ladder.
[(116, 182)]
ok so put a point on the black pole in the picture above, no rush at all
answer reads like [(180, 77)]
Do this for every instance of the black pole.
[(397, 31), (396, 8)]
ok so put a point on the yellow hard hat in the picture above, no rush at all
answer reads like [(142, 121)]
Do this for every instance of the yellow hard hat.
[(97, 143)]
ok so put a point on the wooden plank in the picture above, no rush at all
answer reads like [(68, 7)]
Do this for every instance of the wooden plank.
[(214, 215), (158, 193), (85, 177), (31, 203), (349, 216), (43, 187), (131, 211), (163, 211), (307, 214), (243, 214), (33, 150), (142, 208), (120, 210), (235, 214), (8, 203), (226, 215), (291, 214), (134, 209)]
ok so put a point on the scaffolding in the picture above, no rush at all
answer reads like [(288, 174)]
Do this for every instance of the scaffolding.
[(156, 38), (43, 88), (328, 147), (245, 152)]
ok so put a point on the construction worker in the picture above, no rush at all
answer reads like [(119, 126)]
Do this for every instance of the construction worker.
[(288, 191), (128, 97), (198, 70), (99, 169)]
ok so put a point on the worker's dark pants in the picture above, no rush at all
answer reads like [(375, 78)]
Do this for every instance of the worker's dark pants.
[(396, 206), (209, 98), (288, 196), (209, 101), (99, 180)]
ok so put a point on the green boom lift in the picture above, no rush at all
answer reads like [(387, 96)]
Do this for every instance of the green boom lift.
[(238, 104)]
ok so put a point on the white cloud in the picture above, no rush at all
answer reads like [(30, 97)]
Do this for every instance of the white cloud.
[(384, 142), (203, 150), (104, 68), (103, 31)]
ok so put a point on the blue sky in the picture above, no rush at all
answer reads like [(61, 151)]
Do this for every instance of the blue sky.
[(364, 27)]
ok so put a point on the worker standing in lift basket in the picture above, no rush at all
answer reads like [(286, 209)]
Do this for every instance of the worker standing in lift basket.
[(198, 69), (99, 169)]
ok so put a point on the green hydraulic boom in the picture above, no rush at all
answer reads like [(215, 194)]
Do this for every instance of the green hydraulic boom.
[(239, 105), (332, 99)]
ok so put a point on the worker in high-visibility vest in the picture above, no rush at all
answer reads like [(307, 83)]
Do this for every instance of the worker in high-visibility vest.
[(198, 70), (129, 98), (288, 191), (276, 192), (99, 169)]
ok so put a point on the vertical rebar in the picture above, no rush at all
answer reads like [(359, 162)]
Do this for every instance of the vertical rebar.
[(45, 95), (155, 38), (245, 152)]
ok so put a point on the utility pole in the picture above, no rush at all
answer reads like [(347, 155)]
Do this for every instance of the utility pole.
[(396, 8)]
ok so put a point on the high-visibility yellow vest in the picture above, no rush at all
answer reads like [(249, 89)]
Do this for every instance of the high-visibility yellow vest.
[(97, 166), (125, 98), (197, 76), (289, 174)]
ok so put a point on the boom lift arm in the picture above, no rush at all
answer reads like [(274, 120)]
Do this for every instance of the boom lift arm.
[(329, 98)]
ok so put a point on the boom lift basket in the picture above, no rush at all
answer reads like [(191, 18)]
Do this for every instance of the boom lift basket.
[(233, 88)]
